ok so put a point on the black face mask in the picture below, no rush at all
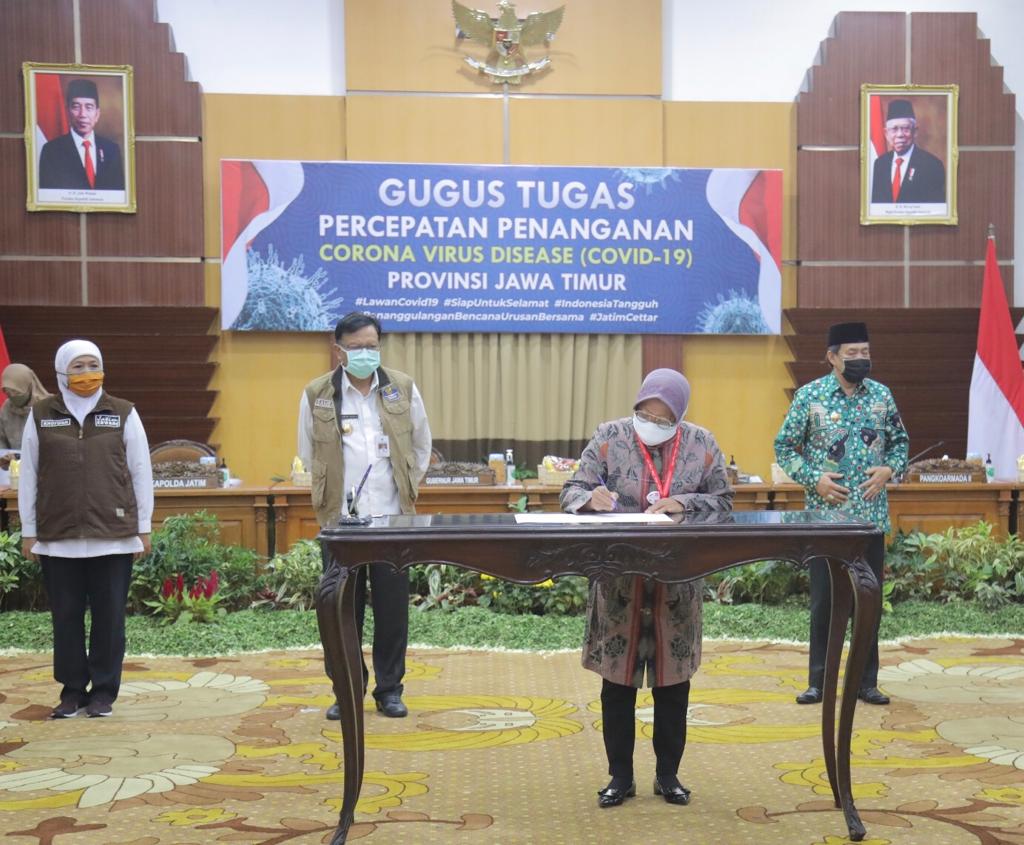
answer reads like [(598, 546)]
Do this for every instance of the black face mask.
[(855, 370)]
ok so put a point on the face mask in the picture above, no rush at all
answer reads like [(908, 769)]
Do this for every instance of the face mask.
[(19, 400), (85, 384), (855, 370), (652, 434), (362, 362)]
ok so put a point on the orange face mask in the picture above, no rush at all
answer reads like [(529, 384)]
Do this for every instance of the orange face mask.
[(85, 384)]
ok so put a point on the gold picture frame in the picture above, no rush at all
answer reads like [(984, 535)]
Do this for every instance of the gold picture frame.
[(908, 154), (79, 137)]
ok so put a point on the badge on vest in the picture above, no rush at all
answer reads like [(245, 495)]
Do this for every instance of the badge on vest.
[(391, 393), (108, 420), (55, 423), (323, 402)]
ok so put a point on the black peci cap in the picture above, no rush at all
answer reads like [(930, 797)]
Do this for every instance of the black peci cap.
[(842, 333)]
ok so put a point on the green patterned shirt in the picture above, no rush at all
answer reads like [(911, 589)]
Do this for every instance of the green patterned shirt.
[(827, 431)]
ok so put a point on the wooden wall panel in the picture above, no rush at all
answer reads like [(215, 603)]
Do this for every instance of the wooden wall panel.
[(662, 350), (603, 47), (23, 232), (598, 132), (952, 286), (946, 48), (985, 184), (863, 47), (235, 126), (432, 129), (130, 283), (39, 283), (36, 31), (169, 221), (828, 213), (855, 287), (125, 32)]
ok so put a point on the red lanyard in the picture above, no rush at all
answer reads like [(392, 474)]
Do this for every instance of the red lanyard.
[(663, 484)]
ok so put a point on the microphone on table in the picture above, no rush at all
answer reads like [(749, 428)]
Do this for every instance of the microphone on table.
[(918, 455)]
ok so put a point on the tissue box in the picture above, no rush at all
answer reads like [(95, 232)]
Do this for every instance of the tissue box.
[(302, 479)]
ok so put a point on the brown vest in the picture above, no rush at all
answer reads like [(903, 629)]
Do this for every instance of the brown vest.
[(84, 484), (394, 395)]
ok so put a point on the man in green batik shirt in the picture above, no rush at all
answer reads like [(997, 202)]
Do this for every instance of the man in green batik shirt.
[(843, 439)]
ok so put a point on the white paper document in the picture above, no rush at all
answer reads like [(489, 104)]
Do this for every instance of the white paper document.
[(589, 518)]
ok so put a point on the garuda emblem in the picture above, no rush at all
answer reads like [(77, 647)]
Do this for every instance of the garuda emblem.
[(507, 35)]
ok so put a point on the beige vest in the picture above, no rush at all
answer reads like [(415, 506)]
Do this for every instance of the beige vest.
[(394, 395)]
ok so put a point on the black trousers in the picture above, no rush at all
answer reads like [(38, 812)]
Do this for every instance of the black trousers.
[(101, 584), (821, 611), (389, 596), (618, 716)]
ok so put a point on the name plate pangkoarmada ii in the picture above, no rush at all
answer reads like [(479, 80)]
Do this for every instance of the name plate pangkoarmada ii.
[(945, 478)]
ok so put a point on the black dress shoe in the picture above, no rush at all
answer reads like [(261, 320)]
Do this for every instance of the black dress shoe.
[(673, 793), (390, 704), (612, 797), (333, 712), (811, 695), (873, 695)]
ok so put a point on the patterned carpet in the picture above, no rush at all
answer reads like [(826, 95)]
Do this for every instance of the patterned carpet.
[(506, 748)]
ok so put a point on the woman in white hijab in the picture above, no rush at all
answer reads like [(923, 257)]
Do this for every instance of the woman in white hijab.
[(86, 501)]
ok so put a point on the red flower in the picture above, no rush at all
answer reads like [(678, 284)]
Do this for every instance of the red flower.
[(212, 584), (181, 586), (168, 589)]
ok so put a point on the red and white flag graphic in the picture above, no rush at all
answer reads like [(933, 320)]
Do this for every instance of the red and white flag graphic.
[(996, 418)]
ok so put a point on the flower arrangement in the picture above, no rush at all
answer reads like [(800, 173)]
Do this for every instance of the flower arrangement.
[(199, 604)]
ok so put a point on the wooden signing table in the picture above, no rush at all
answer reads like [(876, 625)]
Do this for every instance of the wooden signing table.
[(691, 548)]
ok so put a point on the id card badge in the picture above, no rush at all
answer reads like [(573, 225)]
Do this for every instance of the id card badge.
[(383, 446)]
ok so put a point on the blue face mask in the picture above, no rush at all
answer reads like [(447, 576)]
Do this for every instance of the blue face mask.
[(362, 363)]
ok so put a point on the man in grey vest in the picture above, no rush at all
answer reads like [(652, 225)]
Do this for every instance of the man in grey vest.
[(363, 428)]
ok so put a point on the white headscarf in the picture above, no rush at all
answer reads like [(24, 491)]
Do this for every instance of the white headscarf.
[(80, 406)]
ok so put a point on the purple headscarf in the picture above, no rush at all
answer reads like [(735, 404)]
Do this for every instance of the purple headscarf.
[(670, 387)]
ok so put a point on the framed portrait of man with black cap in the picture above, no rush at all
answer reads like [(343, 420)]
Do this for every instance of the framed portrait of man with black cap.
[(908, 154), (79, 137)]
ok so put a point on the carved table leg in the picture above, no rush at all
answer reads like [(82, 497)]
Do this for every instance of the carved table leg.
[(867, 604), (838, 622), (336, 617)]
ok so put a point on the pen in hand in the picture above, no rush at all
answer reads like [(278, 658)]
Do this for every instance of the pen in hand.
[(614, 496)]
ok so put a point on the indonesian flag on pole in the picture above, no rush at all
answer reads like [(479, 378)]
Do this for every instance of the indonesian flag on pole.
[(996, 418)]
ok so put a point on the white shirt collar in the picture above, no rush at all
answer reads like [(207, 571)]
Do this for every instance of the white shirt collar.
[(346, 384)]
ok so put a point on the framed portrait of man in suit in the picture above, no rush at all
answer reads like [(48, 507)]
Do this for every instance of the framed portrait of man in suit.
[(908, 154), (79, 137)]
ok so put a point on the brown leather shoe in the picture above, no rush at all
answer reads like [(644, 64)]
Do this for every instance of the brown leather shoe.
[(811, 695)]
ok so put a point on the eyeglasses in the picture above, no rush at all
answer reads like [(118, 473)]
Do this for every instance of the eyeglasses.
[(652, 418)]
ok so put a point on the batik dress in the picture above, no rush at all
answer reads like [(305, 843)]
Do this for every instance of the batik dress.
[(637, 627)]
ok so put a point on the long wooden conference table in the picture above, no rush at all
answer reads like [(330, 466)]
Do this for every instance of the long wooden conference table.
[(271, 518), (672, 552)]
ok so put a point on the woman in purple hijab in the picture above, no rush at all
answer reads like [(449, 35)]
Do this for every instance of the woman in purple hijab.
[(651, 462)]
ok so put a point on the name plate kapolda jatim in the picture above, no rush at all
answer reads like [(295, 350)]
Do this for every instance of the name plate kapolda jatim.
[(501, 248)]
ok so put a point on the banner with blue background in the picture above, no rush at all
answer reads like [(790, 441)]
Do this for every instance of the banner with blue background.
[(501, 248)]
